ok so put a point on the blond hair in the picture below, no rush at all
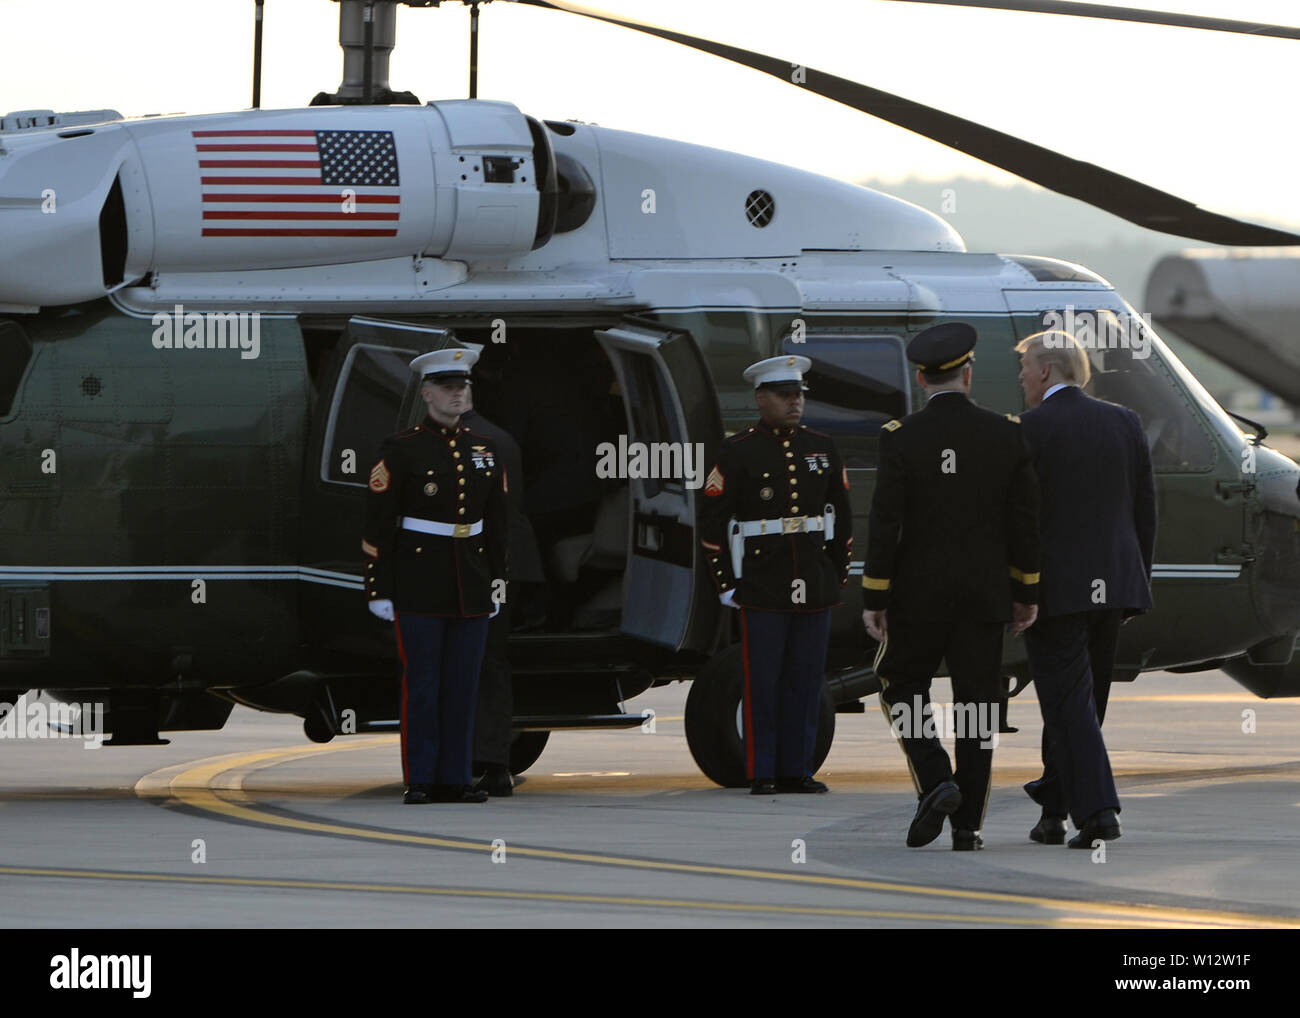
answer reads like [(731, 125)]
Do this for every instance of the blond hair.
[(1060, 350)]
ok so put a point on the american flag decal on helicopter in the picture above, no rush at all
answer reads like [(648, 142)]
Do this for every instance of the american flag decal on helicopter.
[(268, 183)]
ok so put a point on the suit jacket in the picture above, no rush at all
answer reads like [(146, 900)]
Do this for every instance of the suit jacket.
[(1098, 517), (763, 473), (953, 527), (525, 559), (443, 475)]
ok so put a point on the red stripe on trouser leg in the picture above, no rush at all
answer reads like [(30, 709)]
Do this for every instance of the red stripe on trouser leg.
[(401, 652), (749, 717)]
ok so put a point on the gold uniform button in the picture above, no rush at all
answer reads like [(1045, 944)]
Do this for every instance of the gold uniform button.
[(455, 455), (418, 550), (794, 508), (461, 480), (429, 472), (786, 443), (791, 468), (461, 510), (789, 455), (766, 474), (460, 468), (452, 443)]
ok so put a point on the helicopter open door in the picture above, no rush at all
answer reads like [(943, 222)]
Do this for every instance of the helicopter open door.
[(367, 393), (673, 428)]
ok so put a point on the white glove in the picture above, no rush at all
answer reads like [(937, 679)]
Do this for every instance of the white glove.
[(382, 608), (729, 598)]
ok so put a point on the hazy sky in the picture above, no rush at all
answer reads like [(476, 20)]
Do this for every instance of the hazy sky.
[(1207, 116)]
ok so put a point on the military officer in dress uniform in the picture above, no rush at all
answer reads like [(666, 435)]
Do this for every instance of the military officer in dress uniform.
[(776, 528), (952, 542), (436, 546)]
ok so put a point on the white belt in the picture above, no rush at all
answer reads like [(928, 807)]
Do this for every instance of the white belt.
[(787, 525), (741, 529), (442, 529)]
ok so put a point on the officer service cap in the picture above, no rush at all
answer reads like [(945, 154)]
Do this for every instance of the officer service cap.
[(783, 374), (942, 347), (445, 365)]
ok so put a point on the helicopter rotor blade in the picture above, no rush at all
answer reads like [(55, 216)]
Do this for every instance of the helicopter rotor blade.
[(1107, 12), (1112, 192), (257, 55)]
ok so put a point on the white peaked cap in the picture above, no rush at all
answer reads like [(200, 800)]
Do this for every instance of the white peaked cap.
[(786, 368), (451, 361)]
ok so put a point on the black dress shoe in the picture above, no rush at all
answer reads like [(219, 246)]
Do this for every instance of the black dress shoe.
[(496, 781), (966, 841), (942, 799), (458, 793), (806, 785), (1050, 830), (1101, 826), (418, 795), (762, 786)]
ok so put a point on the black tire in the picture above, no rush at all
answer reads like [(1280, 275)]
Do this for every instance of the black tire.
[(316, 728), (525, 749), (712, 731)]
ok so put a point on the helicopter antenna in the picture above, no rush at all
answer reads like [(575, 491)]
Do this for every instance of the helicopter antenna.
[(473, 50), (368, 61), (257, 55)]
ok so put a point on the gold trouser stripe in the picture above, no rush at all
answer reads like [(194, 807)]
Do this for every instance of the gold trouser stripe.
[(1028, 579), (871, 583), (889, 718)]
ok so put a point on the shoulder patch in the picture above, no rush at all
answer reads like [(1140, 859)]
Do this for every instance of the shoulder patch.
[(891, 425), (379, 477), (1013, 418)]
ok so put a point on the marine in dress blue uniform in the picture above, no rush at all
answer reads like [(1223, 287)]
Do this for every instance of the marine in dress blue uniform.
[(436, 553), (776, 529), (952, 544)]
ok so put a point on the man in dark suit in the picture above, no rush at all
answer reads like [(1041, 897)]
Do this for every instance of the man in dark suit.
[(1098, 528), (493, 719), (952, 556)]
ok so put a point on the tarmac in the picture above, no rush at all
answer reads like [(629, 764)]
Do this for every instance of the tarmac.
[(254, 826)]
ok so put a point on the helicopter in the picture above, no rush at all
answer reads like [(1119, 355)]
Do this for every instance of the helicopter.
[(205, 326)]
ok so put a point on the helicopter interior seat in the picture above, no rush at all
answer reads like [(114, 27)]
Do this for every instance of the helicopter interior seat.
[(592, 565), (604, 548)]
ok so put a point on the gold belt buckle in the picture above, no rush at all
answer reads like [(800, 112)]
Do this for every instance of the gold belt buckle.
[(793, 524), (460, 530)]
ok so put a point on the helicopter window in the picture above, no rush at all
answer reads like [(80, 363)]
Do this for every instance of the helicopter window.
[(855, 385), (15, 352), (367, 401), (1140, 376), (650, 421)]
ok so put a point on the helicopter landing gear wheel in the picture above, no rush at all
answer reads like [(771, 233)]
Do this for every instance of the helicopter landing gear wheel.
[(525, 749), (316, 728), (715, 721)]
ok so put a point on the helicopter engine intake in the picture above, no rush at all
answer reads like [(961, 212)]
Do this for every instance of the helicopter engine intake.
[(84, 211)]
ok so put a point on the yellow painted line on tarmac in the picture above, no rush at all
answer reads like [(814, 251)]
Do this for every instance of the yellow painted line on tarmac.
[(541, 896), (201, 786)]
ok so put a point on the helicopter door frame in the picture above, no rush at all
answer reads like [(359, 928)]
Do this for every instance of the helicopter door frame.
[(669, 397), (331, 607)]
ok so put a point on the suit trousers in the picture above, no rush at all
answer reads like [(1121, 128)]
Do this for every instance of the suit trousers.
[(785, 663), (494, 717), (1103, 637), (441, 658), (905, 665), (1059, 660)]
